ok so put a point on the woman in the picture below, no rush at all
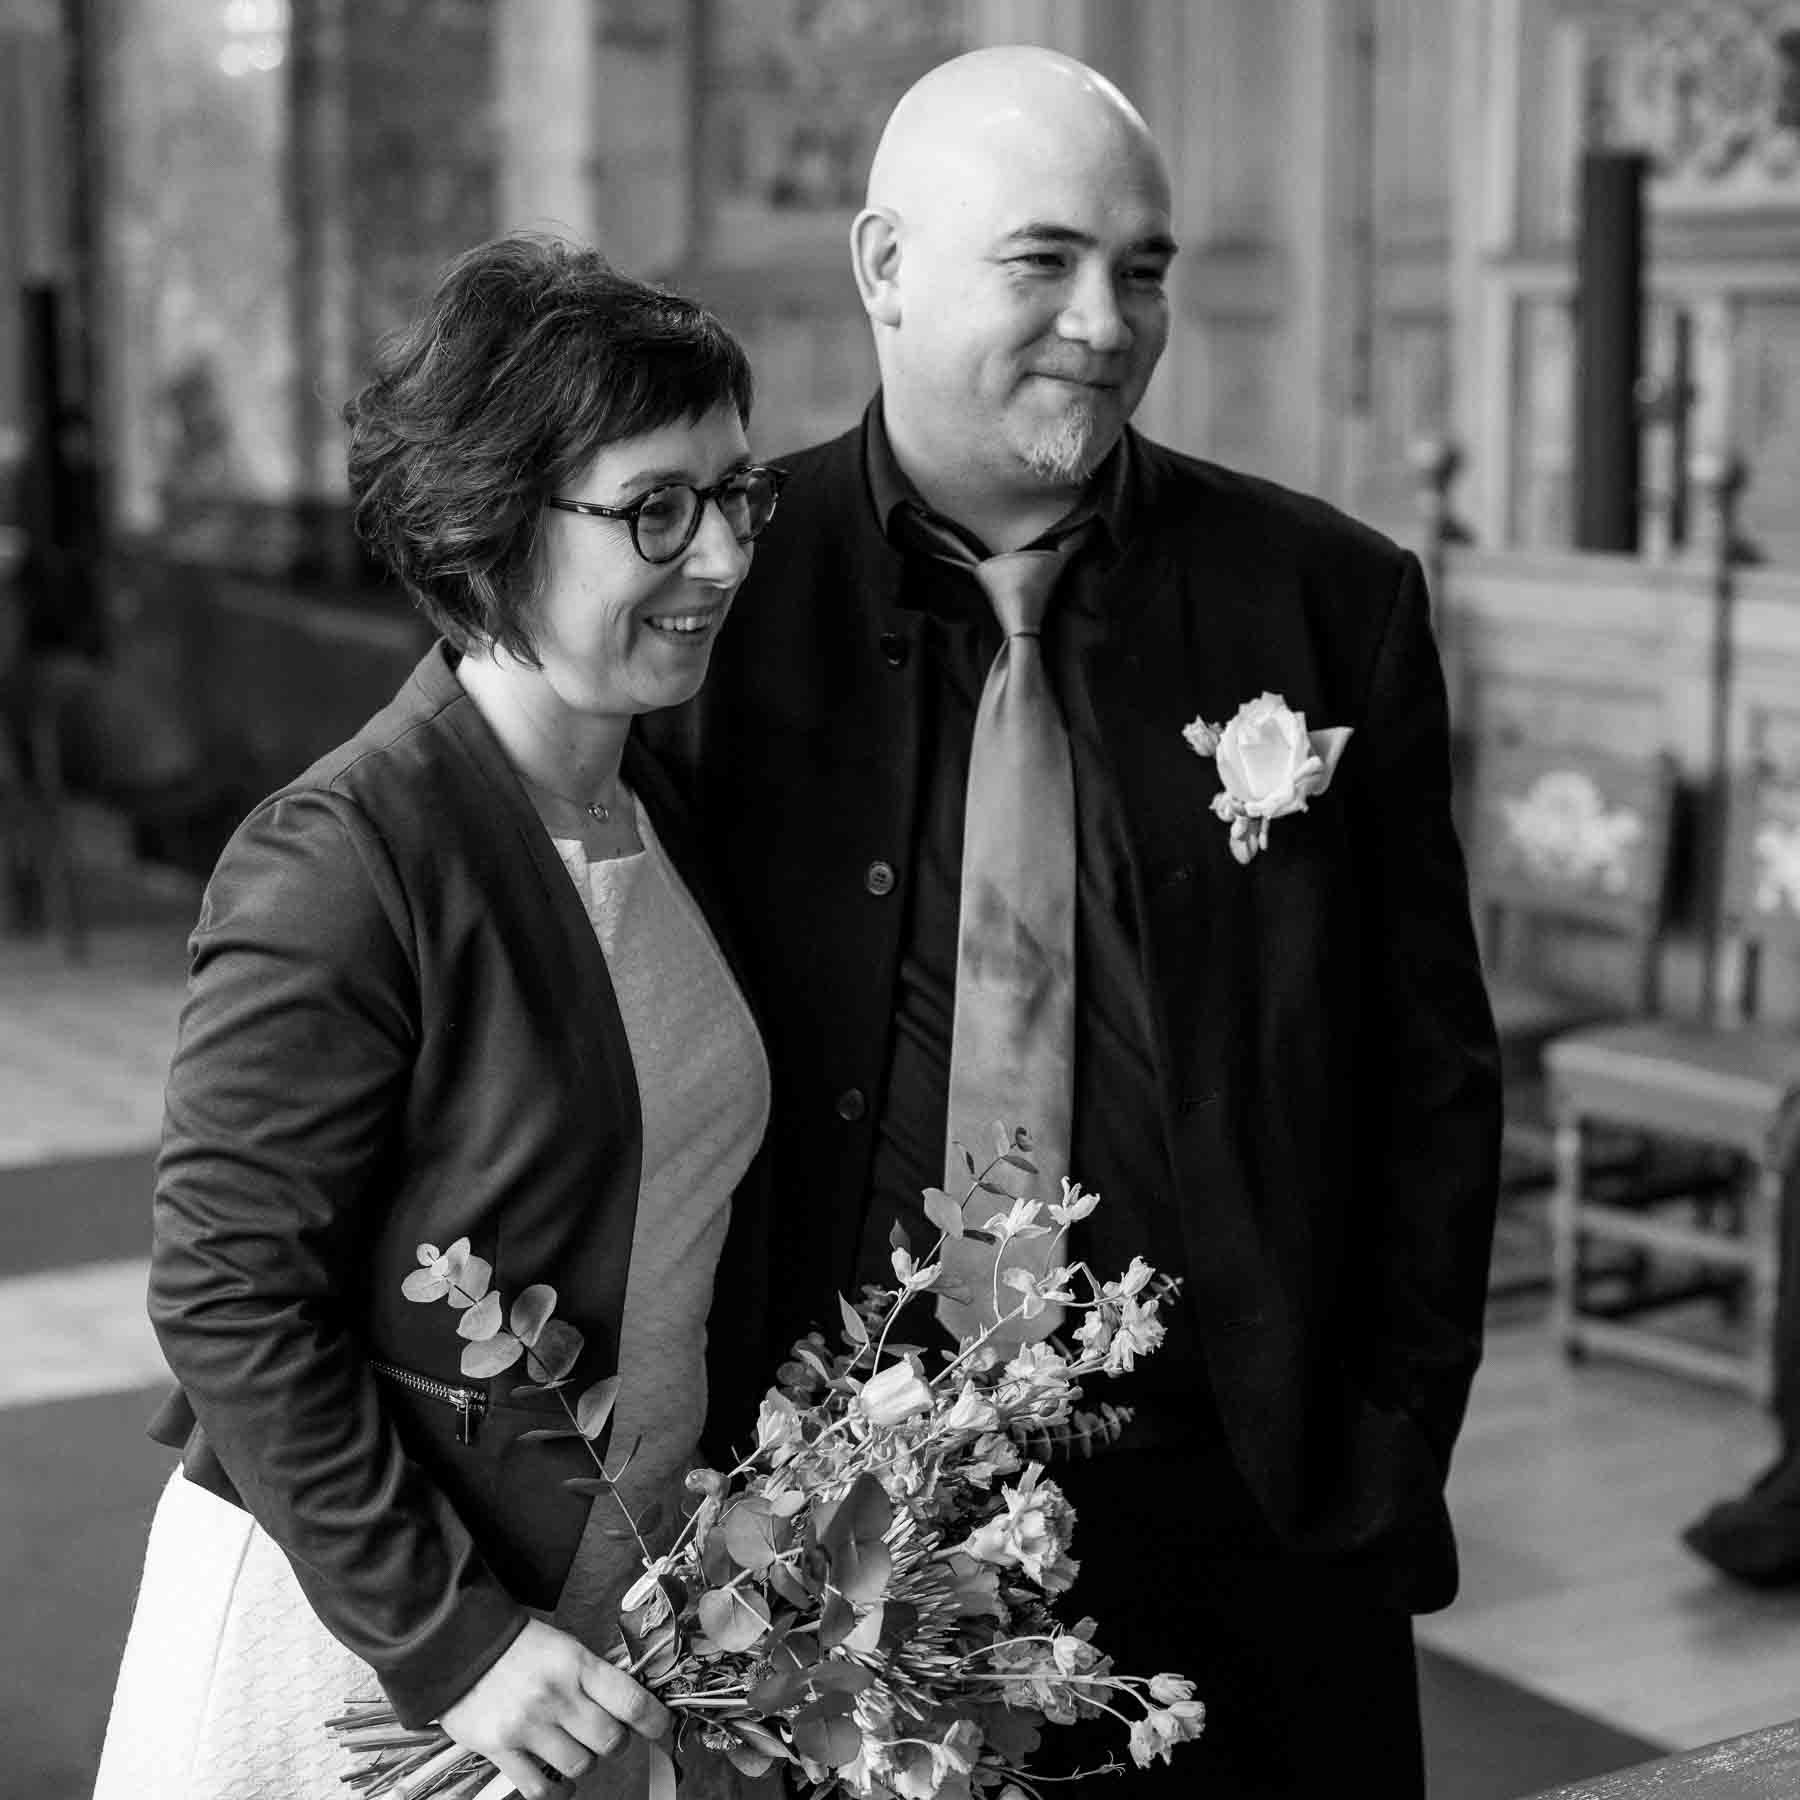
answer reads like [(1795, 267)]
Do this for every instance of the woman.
[(454, 982)]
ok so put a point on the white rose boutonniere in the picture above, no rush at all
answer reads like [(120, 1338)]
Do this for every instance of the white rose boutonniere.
[(1270, 765)]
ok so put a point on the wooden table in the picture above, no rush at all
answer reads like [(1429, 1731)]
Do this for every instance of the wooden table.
[(1762, 1765)]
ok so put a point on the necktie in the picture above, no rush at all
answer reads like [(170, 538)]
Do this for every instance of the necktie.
[(1012, 1053)]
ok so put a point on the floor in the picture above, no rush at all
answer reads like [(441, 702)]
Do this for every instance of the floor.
[(1569, 1489)]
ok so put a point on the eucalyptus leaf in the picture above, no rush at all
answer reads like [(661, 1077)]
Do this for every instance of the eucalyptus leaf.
[(751, 1534), (1016, 1159), (824, 1732), (477, 1274), (532, 1310), (759, 1735), (588, 1484), (427, 1254), (546, 1434), (786, 1582), (943, 1212), (595, 1407), (425, 1285), (733, 1619), (837, 1677), (555, 1350), (482, 1320), (854, 1327), (837, 1619), (747, 1761), (861, 1570), (493, 1356)]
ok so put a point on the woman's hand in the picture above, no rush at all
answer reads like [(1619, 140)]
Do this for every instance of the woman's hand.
[(551, 1698)]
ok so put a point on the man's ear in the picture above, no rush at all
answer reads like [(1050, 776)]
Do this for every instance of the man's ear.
[(875, 256)]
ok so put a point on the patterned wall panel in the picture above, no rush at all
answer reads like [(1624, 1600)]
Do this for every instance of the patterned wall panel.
[(195, 304), (791, 97)]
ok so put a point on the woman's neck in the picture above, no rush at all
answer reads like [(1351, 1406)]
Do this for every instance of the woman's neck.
[(558, 750)]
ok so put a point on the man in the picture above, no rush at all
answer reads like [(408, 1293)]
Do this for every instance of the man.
[(1284, 1081)]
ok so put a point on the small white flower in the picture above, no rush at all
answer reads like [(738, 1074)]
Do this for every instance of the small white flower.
[(1074, 1205), (895, 1395)]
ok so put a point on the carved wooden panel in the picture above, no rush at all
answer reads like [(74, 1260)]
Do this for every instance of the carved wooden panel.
[(1765, 388), (1545, 374)]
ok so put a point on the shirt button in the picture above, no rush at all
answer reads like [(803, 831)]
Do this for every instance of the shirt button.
[(879, 878), (894, 649), (851, 1105)]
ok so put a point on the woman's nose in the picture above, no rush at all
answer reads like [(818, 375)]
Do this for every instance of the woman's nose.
[(715, 555)]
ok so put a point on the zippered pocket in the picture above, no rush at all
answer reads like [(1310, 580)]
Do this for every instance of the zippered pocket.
[(470, 1403)]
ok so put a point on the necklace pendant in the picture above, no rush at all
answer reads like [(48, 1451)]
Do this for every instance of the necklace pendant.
[(598, 813)]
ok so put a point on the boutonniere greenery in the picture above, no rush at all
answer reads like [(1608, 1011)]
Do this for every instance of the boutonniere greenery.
[(1270, 765)]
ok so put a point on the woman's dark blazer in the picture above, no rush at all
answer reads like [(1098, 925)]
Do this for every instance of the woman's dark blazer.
[(399, 1030)]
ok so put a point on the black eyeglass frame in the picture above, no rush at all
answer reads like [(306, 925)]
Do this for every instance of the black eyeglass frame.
[(704, 497)]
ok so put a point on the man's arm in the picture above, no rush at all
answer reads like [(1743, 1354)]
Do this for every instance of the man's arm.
[(1430, 1075)]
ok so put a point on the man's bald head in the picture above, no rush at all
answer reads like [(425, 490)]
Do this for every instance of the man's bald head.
[(993, 103), (1011, 260)]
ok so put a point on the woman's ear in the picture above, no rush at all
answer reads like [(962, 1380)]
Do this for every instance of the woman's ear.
[(875, 256)]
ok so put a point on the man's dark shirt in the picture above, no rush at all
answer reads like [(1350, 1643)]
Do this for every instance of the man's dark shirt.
[(1118, 1148)]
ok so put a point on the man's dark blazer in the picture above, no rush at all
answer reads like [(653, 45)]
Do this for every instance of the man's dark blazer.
[(399, 1030), (1329, 1084)]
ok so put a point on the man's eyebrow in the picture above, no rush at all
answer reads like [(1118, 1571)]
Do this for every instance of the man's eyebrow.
[(1041, 231)]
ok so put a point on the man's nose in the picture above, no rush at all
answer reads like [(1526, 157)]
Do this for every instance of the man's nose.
[(1093, 315)]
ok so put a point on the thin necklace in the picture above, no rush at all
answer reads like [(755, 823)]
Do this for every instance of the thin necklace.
[(596, 810)]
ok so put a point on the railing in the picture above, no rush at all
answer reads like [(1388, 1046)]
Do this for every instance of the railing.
[(1762, 1765)]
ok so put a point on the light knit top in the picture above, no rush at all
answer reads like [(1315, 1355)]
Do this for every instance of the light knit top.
[(703, 1082)]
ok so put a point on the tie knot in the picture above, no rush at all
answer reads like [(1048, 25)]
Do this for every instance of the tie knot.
[(1018, 583)]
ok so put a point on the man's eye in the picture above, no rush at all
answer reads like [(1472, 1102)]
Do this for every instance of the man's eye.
[(1047, 261), (1147, 275)]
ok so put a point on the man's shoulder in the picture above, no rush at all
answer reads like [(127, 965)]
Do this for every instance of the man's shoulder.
[(1188, 493)]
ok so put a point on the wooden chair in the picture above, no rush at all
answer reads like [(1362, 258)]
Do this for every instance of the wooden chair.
[(1725, 1089), (1568, 867)]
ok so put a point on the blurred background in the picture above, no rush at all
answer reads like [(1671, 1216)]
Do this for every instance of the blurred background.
[(1518, 281)]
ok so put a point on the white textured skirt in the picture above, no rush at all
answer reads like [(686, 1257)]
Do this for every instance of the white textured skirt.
[(228, 1677)]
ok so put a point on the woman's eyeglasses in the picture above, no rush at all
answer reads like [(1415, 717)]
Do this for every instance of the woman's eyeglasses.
[(664, 521)]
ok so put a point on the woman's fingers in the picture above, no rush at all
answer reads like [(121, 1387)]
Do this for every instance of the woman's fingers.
[(574, 1755), (633, 1705), (526, 1773)]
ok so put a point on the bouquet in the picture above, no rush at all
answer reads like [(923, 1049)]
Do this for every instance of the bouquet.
[(868, 1595)]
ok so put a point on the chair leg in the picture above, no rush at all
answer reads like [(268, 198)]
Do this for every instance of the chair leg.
[(1565, 1248), (61, 885), (1762, 1212)]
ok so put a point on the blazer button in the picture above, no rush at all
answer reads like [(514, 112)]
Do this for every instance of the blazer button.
[(851, 1105), (879, 878), (894, 649)]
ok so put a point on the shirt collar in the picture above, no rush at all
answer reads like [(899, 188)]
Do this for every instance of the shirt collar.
[(1106, 497)]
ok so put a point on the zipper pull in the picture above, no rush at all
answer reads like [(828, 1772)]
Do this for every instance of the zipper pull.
[(468, 1415)]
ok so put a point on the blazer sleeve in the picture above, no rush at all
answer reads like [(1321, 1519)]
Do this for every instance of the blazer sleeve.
[(281, 1138), (1430, 1107)]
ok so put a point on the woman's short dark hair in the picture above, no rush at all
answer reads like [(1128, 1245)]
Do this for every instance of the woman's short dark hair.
[(531, 357)]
